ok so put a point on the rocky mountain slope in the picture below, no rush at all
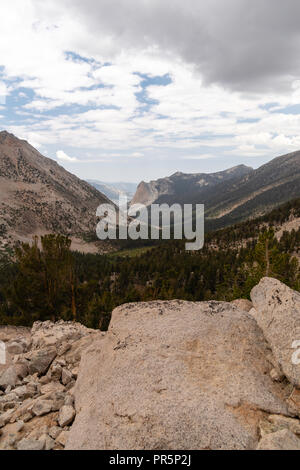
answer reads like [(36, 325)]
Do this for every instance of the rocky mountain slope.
[(265, 188), (232, 196), (38, 196), (199, 375), (183, 188)]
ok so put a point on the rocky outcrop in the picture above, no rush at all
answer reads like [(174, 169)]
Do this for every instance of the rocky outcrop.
[(177, 375), (166, 375), (36, 385), (280, 440), (277, 312), (185, 188)]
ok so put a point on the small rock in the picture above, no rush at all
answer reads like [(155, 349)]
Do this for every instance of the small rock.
[(38, 432), (276, 376), (8, 378), (24, 392), (66, 415), (66, 376), (32, 389), (62, 438), (10, 441), (5, 418), (75, 371), (69, 400), (70, 385), (46, 379), (42, 407), (55, 372), (27, 417), (280, 440), (15, 348), (54, 431), (48, 442), (58, 399), (40, 360), (21, 369), (30, 444), (52, 387), (282, 422)]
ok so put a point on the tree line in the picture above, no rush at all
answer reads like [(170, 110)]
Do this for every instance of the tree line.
[(45, 280)]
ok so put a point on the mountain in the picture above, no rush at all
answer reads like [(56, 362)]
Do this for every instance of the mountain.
[(38, 196), (183, 188), (232, 195), (115, 190), (267, 187)]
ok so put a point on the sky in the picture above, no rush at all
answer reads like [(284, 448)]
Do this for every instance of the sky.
[(131, 90)]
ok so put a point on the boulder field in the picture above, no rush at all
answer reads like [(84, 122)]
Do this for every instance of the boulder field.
[(167, 375)]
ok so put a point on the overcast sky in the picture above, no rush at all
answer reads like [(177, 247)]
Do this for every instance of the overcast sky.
[(138, 89)]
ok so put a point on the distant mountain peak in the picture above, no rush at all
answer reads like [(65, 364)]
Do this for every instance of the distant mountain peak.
[(176, 187), (232, 195)]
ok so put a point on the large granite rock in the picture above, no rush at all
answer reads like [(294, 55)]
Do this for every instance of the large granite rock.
[(175, 375), (277, 312)]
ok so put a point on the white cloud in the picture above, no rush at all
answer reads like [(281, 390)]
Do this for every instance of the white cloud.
[(93, 104), (61, 155), (137, 155), (198, 157)]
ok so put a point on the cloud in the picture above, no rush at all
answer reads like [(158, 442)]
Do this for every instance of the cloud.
[(198, 157), (249, 46), (61, 155), (137, 155), (94, 77)]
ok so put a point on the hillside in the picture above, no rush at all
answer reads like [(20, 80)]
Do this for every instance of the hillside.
[(230, 196), (183, 188), (269, 186), (38, 196)]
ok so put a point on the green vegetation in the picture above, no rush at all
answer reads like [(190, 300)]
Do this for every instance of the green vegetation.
[(47, 281), (130, 253)]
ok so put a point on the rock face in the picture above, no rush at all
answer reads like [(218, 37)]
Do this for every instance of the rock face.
[(36, 385), (186, 188), (167, 375), (38, 196), (277, 312), (280, 440), (176, 375), (229, 196)]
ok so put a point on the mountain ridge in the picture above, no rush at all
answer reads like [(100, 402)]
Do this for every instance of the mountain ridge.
[(39, 196), (159, 190), (233, 198)]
